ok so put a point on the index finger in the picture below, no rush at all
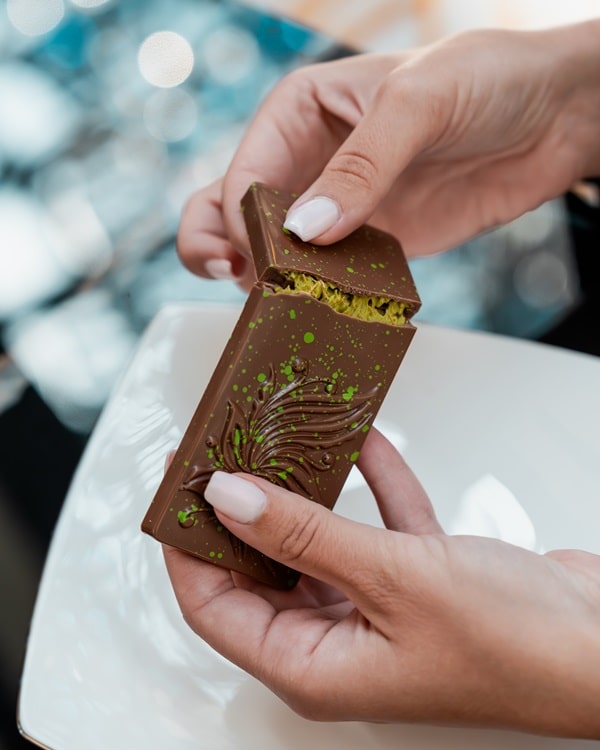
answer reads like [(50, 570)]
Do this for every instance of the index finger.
[(286, 145), (403, 503)]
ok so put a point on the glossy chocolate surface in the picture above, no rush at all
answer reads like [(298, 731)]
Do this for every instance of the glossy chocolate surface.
[(368, 261), (291, 400)]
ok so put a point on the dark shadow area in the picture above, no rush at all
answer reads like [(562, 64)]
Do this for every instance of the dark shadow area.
[(38, 456), (579, 329)]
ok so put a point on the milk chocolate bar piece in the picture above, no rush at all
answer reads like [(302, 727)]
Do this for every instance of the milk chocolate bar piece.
[(298, 385)]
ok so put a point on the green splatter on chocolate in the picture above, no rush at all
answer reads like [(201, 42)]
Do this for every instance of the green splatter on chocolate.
[(338, 375)]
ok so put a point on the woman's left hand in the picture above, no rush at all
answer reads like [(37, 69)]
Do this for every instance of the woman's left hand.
[(402, 623)]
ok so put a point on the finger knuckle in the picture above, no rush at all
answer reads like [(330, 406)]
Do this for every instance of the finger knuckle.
[(300, 537), (380, 577), (403, 90), (355, 167), (397, 86), (294, 85)]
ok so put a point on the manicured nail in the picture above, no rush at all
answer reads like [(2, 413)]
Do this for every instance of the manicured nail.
[(235, 497), (219, 268), (312, 218), (168, 458)]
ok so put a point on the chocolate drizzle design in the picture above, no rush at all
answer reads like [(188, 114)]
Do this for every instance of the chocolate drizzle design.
[(298, 383), (286, 436)]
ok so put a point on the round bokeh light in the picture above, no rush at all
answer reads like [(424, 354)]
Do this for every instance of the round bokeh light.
[(170, 116), (165, 59), (35, 17), (89, 4)]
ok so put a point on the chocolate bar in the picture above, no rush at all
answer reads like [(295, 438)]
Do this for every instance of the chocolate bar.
[(315, 349)]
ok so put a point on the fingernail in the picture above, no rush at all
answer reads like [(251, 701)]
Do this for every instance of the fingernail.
[(235, 497), (219, 268), (312, 218), (169, 458)]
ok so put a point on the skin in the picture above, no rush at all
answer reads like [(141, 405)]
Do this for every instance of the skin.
[(444, 629), (434, 145)]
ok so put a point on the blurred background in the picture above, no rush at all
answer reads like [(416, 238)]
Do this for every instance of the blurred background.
[(111, 113)]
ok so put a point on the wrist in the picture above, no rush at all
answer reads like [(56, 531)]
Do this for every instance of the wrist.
[(575, 666), (559, 672)]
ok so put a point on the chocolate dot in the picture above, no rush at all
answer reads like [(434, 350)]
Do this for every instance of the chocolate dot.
[(299, 365), (211, 441), (186, 522), (328, 459)]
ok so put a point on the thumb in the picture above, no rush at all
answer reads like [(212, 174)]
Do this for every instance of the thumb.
[(298, 532), (358, 177)]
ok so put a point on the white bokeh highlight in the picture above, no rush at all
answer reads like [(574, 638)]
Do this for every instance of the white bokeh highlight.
[(165, 59)]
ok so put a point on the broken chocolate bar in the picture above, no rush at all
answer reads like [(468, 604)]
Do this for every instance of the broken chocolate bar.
[(298, 385)]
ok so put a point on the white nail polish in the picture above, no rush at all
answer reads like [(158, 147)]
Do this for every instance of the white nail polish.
[(312, 218), (219, 268), (235, 497)]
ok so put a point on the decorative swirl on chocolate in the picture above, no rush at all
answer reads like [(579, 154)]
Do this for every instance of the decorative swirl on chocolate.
[(287, 435)]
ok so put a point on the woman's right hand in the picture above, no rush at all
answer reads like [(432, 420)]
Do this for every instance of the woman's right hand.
[(434, 145)]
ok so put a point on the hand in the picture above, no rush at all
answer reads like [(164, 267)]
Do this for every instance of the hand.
[(434, 145), (403, 623)]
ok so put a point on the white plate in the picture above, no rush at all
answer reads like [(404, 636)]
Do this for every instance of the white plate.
[(504, 435)]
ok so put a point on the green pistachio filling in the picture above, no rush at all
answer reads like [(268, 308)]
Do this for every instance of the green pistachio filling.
[(371, 308)]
